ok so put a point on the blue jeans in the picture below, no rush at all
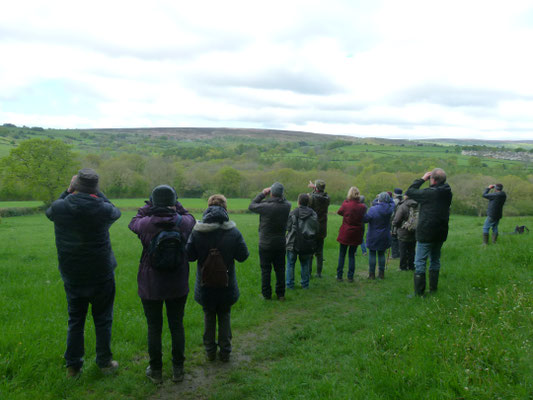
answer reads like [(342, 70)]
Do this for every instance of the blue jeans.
[(425, 250), (101, 297), (491, 223), (372, 261), (351, 260), (305, 263)]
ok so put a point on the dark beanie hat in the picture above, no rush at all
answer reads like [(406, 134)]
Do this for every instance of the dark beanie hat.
[(320, 185), (398, 191), (86, 181), (164, 196), (276, 189)]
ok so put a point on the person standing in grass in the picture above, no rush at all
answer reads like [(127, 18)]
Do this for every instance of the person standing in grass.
[(397, 197), (405, 220), (82, 217), (302, 229), (378, 237), (494, 211), (273, 215), (163, 226), (351, 231), (216, 295), (319, 202), (432, 229)]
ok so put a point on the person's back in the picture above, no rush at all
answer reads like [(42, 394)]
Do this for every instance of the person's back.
[(494, 211)]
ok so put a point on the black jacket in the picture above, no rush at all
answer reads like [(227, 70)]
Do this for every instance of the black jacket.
[(273, 215), (216, 230), (81, 223), (434, 210), (496, 202), (319, 201)]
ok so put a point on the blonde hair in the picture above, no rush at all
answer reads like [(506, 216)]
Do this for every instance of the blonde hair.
[(218, 200), (353, 194)]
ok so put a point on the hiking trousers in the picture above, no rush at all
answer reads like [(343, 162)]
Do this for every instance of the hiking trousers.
[(223, 314), (153, 310), (269, 259), (407, 255)]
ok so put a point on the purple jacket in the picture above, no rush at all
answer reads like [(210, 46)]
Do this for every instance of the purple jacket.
[(378, 217), (153, 284)]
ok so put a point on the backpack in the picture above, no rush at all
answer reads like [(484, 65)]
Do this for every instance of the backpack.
[(521, 229), (412, 220), (306, 237), (214, 270), (167, 249)]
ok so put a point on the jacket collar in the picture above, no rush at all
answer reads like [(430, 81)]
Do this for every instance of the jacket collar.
[(213, 226)]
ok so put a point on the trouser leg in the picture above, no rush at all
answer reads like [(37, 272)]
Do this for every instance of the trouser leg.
[(153, 310), (291, 261), (319, 258), (351, 261), (265, 260), (305, 262), (395, 250), (102, 311), (342, 257), (175, 312), (403, 255), (279, 269), (210, 323), (77, 313), (224, 329), (371, 263), (410, 249)]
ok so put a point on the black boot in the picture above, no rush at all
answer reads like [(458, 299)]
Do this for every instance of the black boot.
[(433, 280), (371, 275), (494, 237), (319, 266), (381, 274), (420, 284), (485, 239)]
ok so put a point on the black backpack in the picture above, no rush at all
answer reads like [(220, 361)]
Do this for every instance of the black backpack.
[(214, 269), (306, 237), (167, 249)]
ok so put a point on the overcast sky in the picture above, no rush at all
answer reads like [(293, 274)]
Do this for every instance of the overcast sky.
[(411, 68)]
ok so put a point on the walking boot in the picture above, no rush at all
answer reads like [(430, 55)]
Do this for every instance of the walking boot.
[(371, 275), (433, 280), (485, 239), (381, 274), (420, 285), (319, 266), (494, 237)]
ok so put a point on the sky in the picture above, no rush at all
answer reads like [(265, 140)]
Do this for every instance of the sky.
[(396, 69)]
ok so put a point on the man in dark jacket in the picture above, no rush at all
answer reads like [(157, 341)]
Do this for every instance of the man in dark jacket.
[(432, 228), (302, 228), (397, 197), (164, 280), (319, 202), (217, 231), (273, 215), (82, 216), (494, 211)]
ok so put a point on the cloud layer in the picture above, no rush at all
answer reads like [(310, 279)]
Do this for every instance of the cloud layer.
[(390, 69)]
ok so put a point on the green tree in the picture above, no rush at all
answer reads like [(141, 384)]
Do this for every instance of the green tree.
[(43, 165), (228, 181)]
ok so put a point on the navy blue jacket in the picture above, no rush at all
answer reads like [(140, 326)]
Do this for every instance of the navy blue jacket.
[(273, 216), (496, 202), (378, 237), (81, 223), (216, 230)]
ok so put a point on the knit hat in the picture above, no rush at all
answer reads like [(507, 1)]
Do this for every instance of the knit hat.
[(383, 197), (163, 196), (86, 181), (276, 189), (398, 191), (320, 185)]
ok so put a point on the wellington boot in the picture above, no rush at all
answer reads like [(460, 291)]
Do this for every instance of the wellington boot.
[(371, 275), (433, 280), (494, 237), (381, 274), (485, 239), (420, 284)]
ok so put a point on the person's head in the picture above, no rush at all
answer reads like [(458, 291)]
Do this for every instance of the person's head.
[(164, 196), (320, 185), (398, 192), (276, 190), (218, 200), (303, 199), (353, 194), (498, 187), (86, 181), (383, 197), (438, 176)]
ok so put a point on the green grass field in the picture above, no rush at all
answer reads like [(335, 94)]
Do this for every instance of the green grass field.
[(364, 340)]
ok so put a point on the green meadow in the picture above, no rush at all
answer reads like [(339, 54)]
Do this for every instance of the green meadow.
[(366, 340)]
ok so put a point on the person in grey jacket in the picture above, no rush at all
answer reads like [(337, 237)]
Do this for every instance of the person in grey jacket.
[(494, 211), (302, 229), (273, 215), (215, 230), (82, 217), (405, 232)]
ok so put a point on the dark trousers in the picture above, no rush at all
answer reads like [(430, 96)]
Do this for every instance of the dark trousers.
[(223, 314), (319, 253), (395, 247), (372, 260), (153, 310), (407, 255), (351, 260), (269, 259), (101, 297)]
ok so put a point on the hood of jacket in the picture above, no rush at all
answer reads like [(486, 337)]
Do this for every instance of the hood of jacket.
[(304, 212), (214, 217), (83, 204)]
